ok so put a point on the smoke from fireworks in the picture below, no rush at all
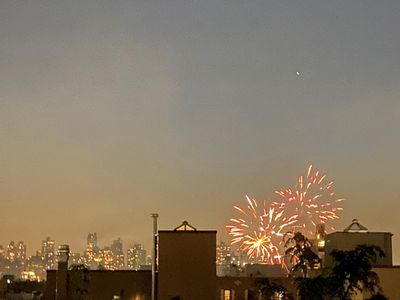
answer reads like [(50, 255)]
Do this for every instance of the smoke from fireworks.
[(258, 231), (311, 202)]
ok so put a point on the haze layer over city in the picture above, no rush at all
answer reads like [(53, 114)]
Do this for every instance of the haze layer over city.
[(110, 111)]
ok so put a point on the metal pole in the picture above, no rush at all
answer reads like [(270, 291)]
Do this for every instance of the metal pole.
[(154, 269)]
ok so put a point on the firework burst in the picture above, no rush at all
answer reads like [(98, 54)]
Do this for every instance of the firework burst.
[(311, 202), (259, 230)]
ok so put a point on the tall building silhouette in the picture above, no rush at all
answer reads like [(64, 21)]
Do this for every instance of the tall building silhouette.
[(223, 254), (106, 259), (21, 252), (11, 251), (136, 256), (118, 254), (92, 239), (48, 253), (91, 255)]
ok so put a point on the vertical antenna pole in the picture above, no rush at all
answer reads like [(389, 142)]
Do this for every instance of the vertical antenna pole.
[(154, 269)]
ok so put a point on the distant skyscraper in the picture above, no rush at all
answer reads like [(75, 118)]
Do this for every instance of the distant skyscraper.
[(136, 256), (21, 252), (118, 254), (116, 246), (11, 251), (48, 253), (107, 258), (92, 239), (14, 265), (223, 254), (91, 257)]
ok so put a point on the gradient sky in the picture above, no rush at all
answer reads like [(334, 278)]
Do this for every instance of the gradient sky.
[(112, 110)]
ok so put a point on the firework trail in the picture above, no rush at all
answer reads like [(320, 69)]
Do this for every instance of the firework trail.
[(311, 202), (259, 230)]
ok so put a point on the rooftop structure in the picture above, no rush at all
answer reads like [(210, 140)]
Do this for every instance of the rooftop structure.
[(356, 234), (355, 226)]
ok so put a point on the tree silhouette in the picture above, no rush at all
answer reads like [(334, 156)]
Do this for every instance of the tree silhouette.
[(302, 257), (352, 272), (311, 288)]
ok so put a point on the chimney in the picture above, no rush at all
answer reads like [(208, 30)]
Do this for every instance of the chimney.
[(62, 272)]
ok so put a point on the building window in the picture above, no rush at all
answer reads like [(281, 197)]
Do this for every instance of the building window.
[(228, 295)]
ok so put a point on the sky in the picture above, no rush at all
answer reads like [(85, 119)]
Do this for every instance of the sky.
[(113, 110)]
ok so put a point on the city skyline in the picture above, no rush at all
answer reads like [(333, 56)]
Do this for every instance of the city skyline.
[(30, 251), (110, 112), (16, 261)]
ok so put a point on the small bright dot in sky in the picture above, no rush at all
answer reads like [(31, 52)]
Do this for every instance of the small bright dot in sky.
[(298, 73)]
